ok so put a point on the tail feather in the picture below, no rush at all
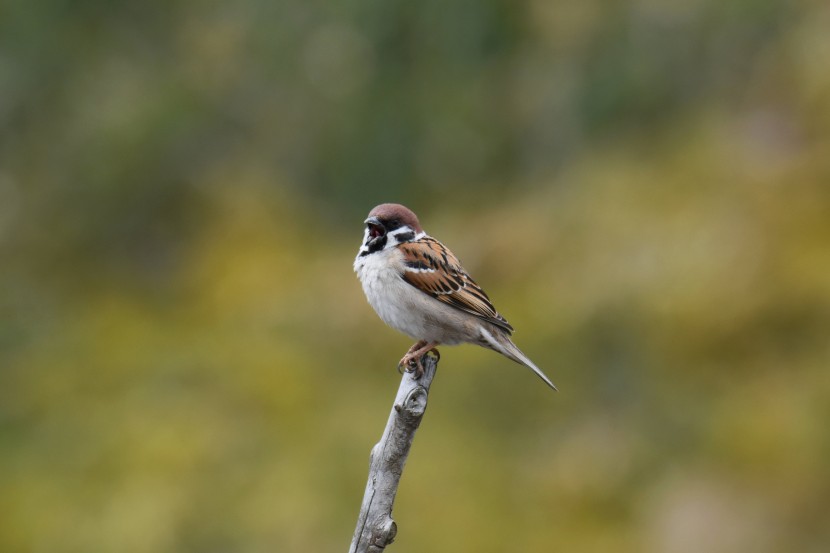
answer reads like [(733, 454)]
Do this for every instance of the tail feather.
[(502, 344)]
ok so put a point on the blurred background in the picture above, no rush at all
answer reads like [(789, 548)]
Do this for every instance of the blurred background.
[(187, 362)]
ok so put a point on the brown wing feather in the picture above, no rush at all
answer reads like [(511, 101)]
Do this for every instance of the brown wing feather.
[(433, 269)]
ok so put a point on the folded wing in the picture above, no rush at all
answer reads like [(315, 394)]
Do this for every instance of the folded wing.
[(431, 268)]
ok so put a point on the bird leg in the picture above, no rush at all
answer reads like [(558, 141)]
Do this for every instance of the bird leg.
[(412, 359), (404, 360), (416, 346)]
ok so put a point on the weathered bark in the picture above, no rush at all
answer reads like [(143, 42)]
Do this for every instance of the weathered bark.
[(375, 527)]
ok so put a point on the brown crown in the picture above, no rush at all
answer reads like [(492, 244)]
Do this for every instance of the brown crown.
[(387, 212)]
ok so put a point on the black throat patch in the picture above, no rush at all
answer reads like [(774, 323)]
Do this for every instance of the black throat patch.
[(375, 245)]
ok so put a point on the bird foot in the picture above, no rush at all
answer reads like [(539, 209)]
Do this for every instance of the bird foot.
[(411, 362), (406, 360)]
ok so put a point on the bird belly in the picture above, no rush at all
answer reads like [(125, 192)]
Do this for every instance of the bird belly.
[(407, 309)]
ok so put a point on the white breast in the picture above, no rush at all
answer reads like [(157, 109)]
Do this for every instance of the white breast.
[(402, 306), (386, 291)]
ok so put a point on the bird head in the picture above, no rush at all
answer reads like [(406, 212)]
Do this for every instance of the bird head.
[(387, 226)]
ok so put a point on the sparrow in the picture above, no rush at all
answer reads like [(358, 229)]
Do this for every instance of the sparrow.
[(418, 287)]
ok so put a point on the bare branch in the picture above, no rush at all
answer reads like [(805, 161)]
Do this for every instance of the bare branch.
[(375, 527)]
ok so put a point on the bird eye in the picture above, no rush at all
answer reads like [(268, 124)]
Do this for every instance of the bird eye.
[(392, 224)]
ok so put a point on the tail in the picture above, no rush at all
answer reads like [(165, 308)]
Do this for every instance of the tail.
[(500, 342)]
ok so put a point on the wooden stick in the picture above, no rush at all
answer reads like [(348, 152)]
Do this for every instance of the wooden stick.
[(375, 527)]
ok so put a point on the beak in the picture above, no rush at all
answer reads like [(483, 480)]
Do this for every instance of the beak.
[(376, 229)]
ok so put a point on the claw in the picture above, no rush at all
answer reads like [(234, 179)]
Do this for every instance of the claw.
[(411, 362), (417, 367)]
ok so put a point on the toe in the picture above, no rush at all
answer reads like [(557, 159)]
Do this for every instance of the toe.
[(419, 369)]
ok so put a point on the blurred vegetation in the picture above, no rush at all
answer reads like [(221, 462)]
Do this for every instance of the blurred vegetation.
[(187, 362)]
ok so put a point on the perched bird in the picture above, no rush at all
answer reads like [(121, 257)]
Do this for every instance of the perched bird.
[(418, 287)]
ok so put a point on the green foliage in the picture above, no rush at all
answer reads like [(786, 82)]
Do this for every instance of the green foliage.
[(187, 362)]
